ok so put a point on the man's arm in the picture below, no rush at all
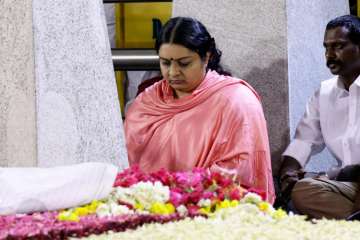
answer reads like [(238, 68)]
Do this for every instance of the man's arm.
[(290, 172), (308, 140)]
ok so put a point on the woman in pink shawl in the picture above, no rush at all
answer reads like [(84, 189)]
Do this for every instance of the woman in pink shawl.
[(196, 117)]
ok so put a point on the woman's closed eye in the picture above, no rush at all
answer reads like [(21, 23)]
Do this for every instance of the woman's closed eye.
[(184, 64), (165, 63)]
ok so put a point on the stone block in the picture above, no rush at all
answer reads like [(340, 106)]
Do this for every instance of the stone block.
[(275, 45), (68, 65), (17, 85)]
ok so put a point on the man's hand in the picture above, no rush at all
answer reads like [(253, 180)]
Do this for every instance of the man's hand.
[(350, 173), (290, 172)]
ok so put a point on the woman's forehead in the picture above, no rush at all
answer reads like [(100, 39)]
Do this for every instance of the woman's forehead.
[(174, 51)]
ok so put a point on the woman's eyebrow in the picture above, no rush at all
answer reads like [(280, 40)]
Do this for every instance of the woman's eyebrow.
[(174, 59)]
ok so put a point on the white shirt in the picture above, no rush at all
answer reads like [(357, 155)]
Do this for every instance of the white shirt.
[(332, 120)]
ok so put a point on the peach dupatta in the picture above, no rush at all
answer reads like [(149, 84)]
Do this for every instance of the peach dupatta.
[(220, 126)]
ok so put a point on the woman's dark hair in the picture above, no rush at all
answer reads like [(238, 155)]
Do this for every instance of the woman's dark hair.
[(351, 23), (193, 35)]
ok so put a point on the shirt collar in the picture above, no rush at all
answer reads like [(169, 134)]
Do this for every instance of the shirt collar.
[(340, 84), (357, 81)]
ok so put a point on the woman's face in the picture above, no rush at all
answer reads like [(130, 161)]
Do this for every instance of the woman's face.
[(182, 68)]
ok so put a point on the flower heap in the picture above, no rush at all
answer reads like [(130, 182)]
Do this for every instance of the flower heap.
[(164, 193), (137, 198), (197, 192), (251, 219)]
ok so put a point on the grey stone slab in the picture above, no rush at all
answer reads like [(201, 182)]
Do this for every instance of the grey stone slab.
[(275, 45), (252, 36), (17, 85), (78, 113)]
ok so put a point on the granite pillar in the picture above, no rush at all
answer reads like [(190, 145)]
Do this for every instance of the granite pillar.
[(17, 85), (77, 116), (276, 45)]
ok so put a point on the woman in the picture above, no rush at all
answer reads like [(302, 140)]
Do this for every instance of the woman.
[(196, 117)]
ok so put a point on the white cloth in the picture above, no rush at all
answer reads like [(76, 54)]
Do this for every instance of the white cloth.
[(332, 120), (26, 190)]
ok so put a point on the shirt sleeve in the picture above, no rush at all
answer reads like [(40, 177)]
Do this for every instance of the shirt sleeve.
[(308, 139)]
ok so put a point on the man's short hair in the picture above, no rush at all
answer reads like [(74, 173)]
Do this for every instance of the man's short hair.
[(351, 23)]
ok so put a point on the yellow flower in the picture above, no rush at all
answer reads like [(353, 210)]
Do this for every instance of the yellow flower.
[(93, 206), (138, 206), (223, 204), (234, 203), (279, 214), (170, 208), (161, 208), (205, 210), (264, 206), (82, 211), (68, 216)]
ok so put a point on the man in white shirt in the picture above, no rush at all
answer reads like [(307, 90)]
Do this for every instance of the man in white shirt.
[(332, 120)]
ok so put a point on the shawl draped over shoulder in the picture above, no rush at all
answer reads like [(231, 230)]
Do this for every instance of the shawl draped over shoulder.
[(220, 126)]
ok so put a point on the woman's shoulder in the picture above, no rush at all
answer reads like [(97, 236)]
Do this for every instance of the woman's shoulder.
[(148, 83), (240, 91), (152, 91)]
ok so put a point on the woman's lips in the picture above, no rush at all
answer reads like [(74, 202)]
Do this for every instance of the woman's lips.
[(176, 81)]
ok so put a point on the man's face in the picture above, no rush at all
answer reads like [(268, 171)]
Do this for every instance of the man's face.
[(342, 55)]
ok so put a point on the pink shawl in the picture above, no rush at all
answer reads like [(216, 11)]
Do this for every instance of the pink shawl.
[(220, 126)]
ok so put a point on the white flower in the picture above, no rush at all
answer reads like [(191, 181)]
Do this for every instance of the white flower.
[(182, 210), (117, 209), (251, 198), (103, 210), (204, 203), (143, 194)]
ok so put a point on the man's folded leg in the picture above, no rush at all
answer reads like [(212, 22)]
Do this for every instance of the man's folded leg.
[(321, 197)]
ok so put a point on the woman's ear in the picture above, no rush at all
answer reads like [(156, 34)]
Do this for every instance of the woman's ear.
[(207, 58)]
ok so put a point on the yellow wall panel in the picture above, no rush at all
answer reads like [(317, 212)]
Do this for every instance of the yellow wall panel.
[(134, 29), (138, 30)]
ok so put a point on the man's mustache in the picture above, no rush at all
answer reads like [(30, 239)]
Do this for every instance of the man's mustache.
[(333, 62)]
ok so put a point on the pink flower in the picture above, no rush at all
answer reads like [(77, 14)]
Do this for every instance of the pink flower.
[(235, 194), (207, 195), (195, 196), (196, 179), (163, 176), (183, 179), (193, 209), (176, 198), (221, 195)]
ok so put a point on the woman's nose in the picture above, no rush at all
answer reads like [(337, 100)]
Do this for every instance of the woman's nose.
[(173, 70)]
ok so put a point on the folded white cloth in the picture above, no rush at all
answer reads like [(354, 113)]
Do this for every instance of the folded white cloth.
[(26, 190)]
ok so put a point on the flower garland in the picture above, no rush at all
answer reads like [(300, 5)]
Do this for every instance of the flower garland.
[(137, 198)]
